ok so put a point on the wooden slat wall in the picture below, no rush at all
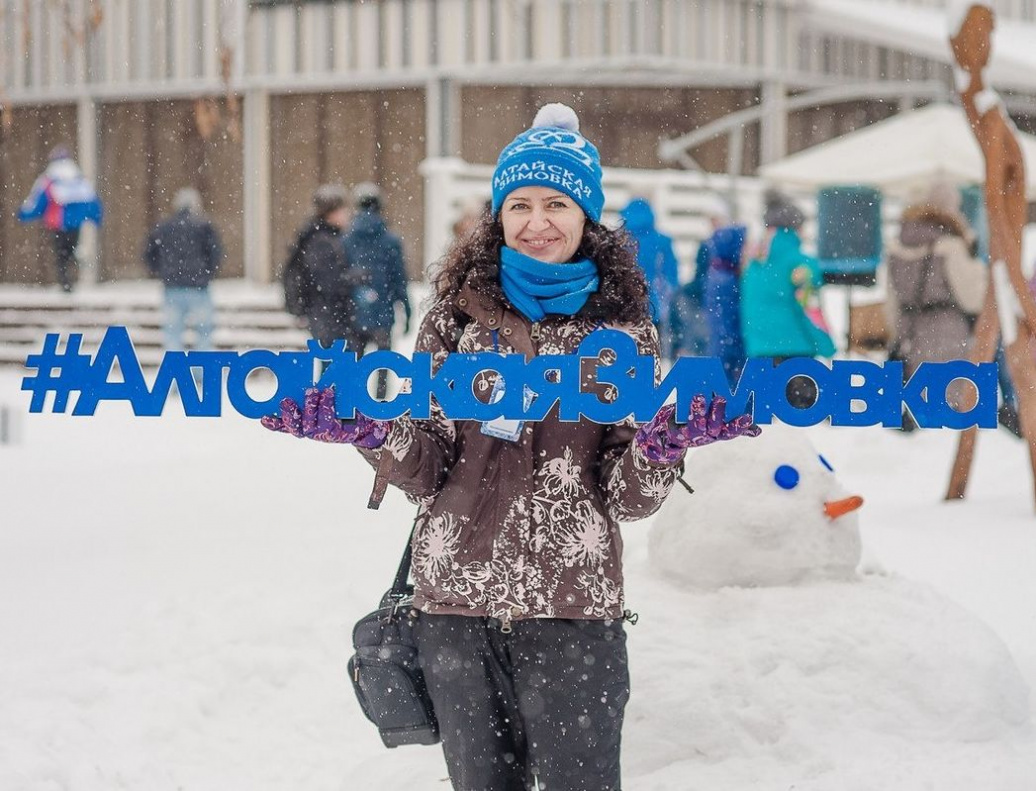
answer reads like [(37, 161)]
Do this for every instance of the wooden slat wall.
[(149, 151), (347, 138)]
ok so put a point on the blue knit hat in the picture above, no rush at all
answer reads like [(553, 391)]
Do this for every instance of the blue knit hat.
[(552, 154)]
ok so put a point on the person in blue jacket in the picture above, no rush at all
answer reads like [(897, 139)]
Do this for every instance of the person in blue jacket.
[(656, 257), (773, 321), (375, 254), (64, 199), (723, 298)]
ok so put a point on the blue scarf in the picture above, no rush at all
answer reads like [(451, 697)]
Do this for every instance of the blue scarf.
[(536, 288)]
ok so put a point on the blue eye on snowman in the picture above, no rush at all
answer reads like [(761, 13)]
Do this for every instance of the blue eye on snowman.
[(787, 477)]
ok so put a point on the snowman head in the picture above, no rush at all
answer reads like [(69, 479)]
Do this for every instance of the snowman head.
[(766, 512)]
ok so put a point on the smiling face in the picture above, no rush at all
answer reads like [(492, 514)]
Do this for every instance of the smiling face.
[(542, 223)]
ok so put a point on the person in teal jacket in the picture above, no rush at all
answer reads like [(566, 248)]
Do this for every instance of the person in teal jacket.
[(773, 320)]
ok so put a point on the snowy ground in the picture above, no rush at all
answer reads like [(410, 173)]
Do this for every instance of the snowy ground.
[(176, 597)]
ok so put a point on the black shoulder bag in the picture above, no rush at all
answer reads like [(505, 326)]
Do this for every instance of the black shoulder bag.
[(385, 670)]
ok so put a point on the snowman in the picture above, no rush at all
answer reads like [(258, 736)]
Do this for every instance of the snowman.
[(771, 661), (766, 511)]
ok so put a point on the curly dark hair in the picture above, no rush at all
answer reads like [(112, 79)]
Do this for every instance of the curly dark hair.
[(621, 296)]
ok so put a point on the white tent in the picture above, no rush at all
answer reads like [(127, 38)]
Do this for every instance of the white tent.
[(898, 155)]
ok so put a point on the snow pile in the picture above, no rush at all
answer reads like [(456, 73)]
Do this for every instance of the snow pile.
[(789, 675), (824, 685), (176, 597), (757, 516)]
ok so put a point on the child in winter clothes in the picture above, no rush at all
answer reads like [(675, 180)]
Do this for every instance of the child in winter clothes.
[(64, 199), (773, 321)]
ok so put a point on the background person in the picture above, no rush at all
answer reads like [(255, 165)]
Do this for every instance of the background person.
[(64, 199), (722, 297), (375, 255), (184, 251), (657, 259), (318, 282), (774, 323), (936, 286), (687, 316), (517, 558)]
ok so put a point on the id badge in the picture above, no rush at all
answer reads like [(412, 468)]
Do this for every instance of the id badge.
[(502, 428)]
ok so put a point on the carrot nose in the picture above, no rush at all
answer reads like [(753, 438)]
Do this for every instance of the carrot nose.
[(837, 508)]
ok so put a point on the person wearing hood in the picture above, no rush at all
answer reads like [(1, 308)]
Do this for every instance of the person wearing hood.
[(723, 295), (936, 286), (376, 256), (184, 252), (64, 199), (318, 281), (774, 323), (656, 257)]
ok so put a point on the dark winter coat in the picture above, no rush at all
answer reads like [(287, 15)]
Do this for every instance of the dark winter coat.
[(934, 286), (376, 255), (184, 251), (318, 282), (528, 528)]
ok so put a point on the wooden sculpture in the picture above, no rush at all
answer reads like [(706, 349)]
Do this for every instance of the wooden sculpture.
[(1009, 308)]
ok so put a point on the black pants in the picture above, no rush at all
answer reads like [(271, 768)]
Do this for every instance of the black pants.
[(65, 256), (542, 704)]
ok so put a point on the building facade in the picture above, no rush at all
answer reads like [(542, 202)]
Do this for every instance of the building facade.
[(256, 103)]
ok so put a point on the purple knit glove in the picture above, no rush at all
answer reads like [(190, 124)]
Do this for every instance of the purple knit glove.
[(317, 420), (664, 441)]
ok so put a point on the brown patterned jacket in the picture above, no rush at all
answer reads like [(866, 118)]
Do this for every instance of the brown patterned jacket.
[(529, 528)]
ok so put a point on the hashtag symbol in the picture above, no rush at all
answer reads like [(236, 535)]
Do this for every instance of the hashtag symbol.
[(57, 372)]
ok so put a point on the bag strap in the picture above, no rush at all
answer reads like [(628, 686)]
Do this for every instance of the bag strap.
[(398, 589)]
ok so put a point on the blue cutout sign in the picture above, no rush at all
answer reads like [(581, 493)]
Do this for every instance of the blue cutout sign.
[(850, 392)]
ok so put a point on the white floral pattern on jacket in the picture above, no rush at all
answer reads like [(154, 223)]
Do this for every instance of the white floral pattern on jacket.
[(526, 528)]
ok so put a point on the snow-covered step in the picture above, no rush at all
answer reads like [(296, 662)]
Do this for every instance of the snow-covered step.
[(248, 316)]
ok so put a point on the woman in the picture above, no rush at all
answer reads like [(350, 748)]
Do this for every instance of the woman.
[(517, 553)]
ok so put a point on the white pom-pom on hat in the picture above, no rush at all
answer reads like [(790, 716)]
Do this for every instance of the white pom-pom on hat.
[(557, 115)]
